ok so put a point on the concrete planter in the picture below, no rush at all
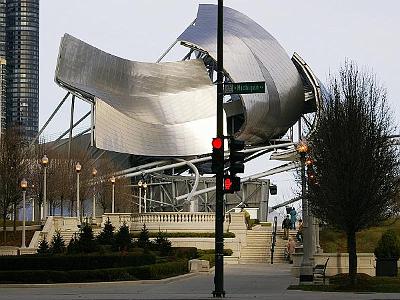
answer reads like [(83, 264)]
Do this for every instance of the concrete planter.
[(386, 267)]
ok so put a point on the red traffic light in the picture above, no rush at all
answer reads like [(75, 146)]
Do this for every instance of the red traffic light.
[(227, 183), (217, 143)]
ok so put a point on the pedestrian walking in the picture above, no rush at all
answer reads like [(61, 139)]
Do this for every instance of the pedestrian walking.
[(293, 218)]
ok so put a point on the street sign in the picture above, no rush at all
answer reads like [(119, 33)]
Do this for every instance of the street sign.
[(244, 88)]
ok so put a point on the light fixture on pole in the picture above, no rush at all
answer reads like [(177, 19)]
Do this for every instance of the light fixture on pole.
[(45, 162), (94, 173), (112, 179), (145, 196), (306, 268), (78, 168), (140, 184), (24, 186)]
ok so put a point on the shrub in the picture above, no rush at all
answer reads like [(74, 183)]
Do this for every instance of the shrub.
[(143, 240), (388, 245), (185, 252), (43, 247), (73, 246), (157, 271), (106, 236), (57, 244), (123, 240), (162, 244), (187, 234), (75, 262)]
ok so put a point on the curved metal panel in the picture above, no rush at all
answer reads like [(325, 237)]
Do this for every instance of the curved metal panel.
[(152, 109), (252, 54)]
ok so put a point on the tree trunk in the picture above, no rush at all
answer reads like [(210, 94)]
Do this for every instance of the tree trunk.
[(15, 219), (5, 227), (352, 249), (62, 206)]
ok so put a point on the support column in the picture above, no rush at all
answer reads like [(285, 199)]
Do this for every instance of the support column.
[(263, 208)]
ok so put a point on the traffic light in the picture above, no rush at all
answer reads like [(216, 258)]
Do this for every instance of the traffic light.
[(217, 155), (231, 184), (273, 189), (236, 158)]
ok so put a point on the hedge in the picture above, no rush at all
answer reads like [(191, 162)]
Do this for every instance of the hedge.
[(156, 271), (74, 262), (186, 234)]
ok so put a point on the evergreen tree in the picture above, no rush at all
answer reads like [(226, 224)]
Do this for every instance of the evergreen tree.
[(86, 242), (106, 237), (43, 247), (163, 244), (57, 244), (123, 240), (143, 239)]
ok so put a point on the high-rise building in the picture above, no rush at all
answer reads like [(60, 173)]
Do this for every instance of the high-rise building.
[(19, 45)]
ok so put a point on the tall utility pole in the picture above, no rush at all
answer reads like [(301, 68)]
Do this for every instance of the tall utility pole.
[(219, 181)]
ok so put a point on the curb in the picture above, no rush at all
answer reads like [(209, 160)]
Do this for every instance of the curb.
[(84, 284)]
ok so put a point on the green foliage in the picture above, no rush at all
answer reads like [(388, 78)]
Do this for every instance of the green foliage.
[(75, 262), (185, 252), (86, 242), (156, 271), (143, 240), (43, 247), (388, 246), (73, 246), (106, 236), (57, 244), (187, 234), (162, 244), (123, 240)]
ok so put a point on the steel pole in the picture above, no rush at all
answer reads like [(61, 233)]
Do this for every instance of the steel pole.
[(306, 268), (23, 218), (78, 204), (94, 204), (113, 198), (145, 200), (140, 200), (219, 180), (45, 208)]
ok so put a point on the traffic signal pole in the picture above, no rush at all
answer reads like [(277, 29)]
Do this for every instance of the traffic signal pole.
[(219, 181)]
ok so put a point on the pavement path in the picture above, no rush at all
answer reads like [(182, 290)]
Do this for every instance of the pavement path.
[(252, 281)]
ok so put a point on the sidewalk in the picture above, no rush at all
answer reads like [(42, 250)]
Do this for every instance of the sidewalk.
[(253, 281)]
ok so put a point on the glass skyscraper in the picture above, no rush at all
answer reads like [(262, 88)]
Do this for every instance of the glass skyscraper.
[(19, 48)]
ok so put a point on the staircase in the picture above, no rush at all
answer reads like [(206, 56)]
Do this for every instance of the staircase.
[(258, 248)]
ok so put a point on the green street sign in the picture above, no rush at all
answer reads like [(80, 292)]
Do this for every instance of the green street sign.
[(244, 88)]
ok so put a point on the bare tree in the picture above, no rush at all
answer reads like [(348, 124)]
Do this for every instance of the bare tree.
[(13, 166), (354, 179)]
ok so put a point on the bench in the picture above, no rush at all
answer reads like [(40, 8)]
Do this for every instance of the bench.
[(319, 271)]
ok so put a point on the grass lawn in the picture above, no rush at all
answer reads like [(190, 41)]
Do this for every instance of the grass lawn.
[(365, 283), (335, 241)]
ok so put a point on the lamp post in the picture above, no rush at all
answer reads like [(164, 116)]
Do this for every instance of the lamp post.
[(94, 173), (306, 268), (78, 168), (140, 183), (113, 194), (24, 185), (45, 161), (145, 196)]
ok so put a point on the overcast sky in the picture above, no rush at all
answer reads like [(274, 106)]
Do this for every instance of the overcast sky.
[(324, 33)]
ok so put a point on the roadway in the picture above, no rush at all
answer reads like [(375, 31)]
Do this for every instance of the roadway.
[(254, 281)]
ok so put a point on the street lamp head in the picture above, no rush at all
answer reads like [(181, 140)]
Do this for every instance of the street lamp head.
[(140, 183), (145, 185), (94, 172), (45, 160), (78, 167), (309, 161), (302, 147), (112, 179), (24, 184)]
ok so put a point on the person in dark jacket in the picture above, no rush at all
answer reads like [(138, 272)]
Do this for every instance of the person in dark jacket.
[(286, 226)]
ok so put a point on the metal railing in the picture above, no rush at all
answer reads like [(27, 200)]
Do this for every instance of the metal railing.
[(273, 238)]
